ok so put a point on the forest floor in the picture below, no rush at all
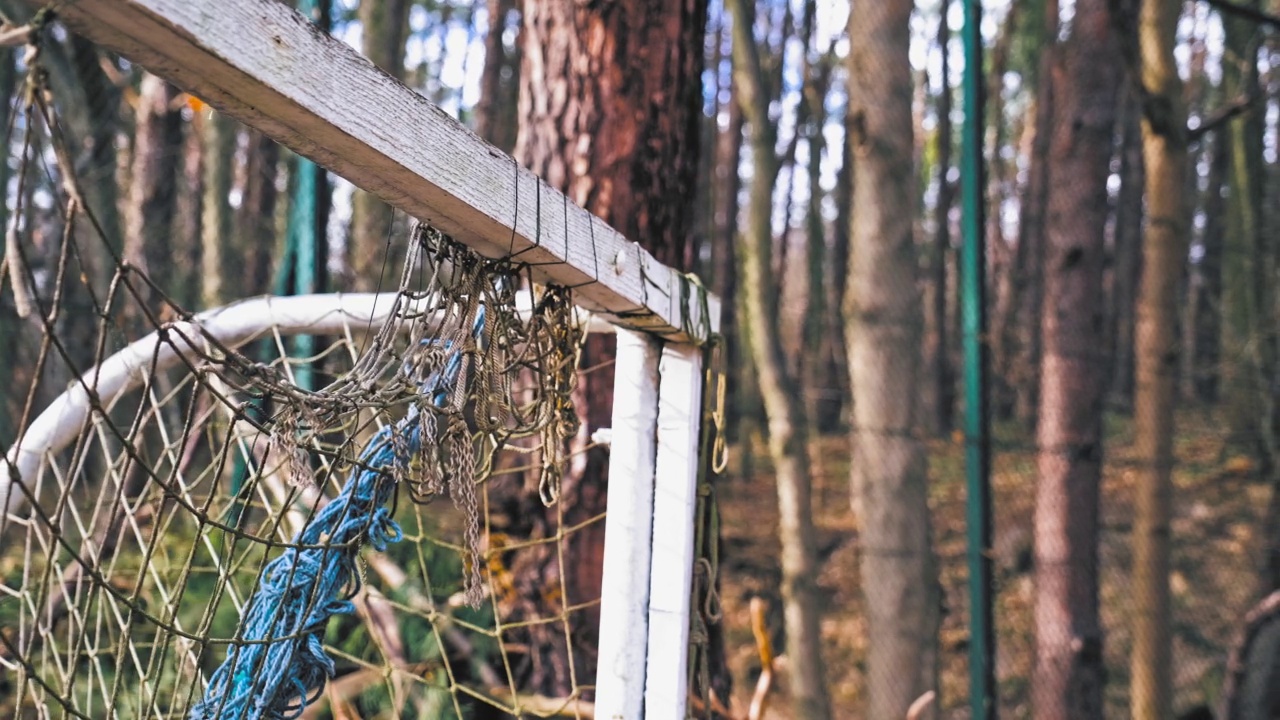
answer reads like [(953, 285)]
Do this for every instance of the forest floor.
[(1219, 503)]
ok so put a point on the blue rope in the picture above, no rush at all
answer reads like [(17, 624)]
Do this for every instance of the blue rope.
[(281, 666)]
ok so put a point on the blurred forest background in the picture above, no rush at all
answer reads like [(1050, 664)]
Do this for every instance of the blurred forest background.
[(1132, 195)]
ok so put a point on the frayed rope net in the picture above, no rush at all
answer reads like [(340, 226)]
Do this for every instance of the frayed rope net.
[(187, 531), (458, 378)]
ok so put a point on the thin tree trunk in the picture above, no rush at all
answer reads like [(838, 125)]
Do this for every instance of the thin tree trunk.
[(821, 335), (1197, 92), (788, 431), (152, 200), (1002, 253), (1031, 233), (1068, 676), (840, 246), (1208, 306), (938, 388), (10, 324), (1246, 366), (220, 281), (1128, 255), (374, 258), (724, 274), (609, 114), (255, 236), (100, 113), (495, 109), (90, 105), (186, 230), (883, 327), (1164, 250)]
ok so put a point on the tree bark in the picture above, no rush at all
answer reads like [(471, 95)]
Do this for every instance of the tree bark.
[(840, 236), (1164, 253), (1127, 255), (1246, 258), (883, 327), (10, 324), (496, 119), (795, 292), (822, 327), (374, 259), (151, 202), (724, 273), (1000, 180), (788, 430), (1068, 675), (1031, 233), (256, 231), (186, 231), (1208, 301), (938, 388), (218, 138), (609, 114), (100, 124)]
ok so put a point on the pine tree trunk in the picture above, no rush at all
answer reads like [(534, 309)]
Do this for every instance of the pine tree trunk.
[(217, 259), (1164, 251), (822, 329), (100, 110), (375, 256), (841, 240), (938, 388), (1208, 305), (1068, 676), (609, 114), (787, 427), (883, 317), (186, 230), (724, 274), (255, 235), (1246, 350), (495, 111), (1030, 265), (999, 180), (151, 202), (1127, 263), (10, 324)]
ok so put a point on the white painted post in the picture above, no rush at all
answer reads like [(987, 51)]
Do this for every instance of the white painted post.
[(674, 504), (628, 530)]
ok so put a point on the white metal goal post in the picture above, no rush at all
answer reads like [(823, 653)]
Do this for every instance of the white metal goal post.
[(264, 64)]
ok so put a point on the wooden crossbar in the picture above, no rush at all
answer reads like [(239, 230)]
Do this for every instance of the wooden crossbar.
[(264, 64)]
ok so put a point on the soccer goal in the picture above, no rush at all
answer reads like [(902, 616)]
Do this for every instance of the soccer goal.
[(201, 521)]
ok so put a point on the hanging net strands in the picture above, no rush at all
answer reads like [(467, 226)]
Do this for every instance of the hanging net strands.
[(283, 665), (187, 531)]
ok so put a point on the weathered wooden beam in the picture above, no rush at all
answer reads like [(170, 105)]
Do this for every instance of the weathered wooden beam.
[(264, 64)]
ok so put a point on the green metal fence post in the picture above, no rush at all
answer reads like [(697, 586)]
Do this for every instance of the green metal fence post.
[(977, 423)]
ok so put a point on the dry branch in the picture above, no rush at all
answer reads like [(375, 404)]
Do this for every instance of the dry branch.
[(1237, 661), (920, 705), (1248, 13), (1233, 109), (760, 700)]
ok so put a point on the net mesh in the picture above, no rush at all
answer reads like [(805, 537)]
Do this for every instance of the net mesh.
[(170, 472)]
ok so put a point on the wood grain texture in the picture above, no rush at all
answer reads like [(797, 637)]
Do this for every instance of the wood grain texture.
[(264, 64)]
